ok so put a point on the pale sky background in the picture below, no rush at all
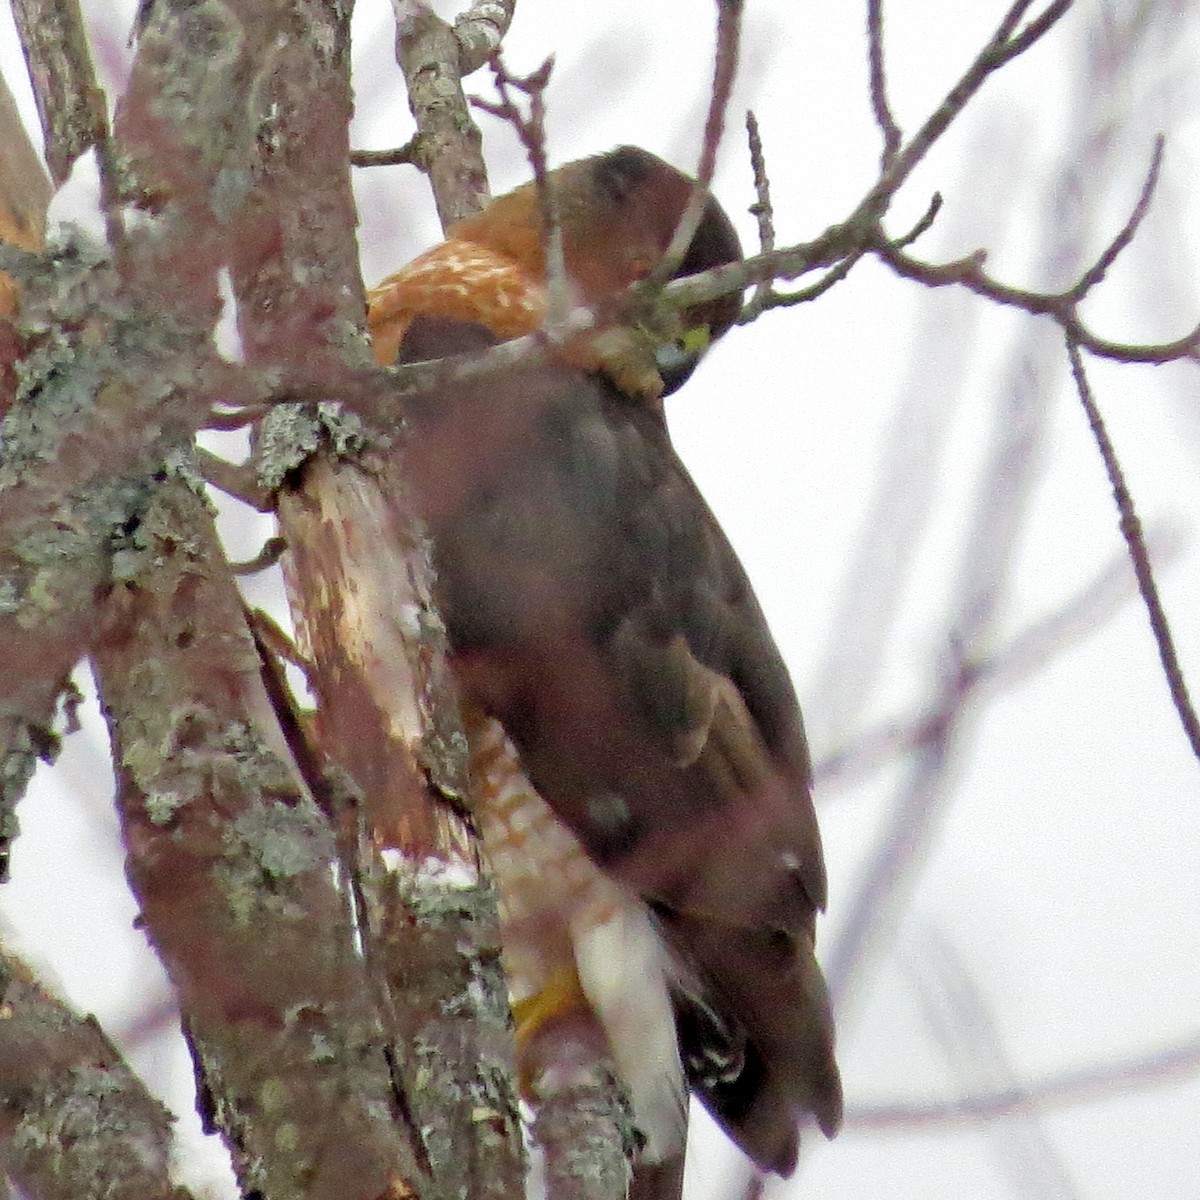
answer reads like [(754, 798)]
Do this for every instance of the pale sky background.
[(1058, 899)]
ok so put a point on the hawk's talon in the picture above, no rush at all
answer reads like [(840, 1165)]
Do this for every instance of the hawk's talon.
[(560, 996)]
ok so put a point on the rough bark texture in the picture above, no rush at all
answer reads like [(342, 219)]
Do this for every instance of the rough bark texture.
[(359, 580), (74, 1121), (233, 866), (70, 105), (448, 138)]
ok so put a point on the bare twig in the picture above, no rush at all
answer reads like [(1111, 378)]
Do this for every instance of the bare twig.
[(1062, 307), (923, 225), (531, 130), (767, 297), (892, 136), (1131, 530), (408, 153), (1021, 657), (762, 210), (235, 479), (1000, 49), (268, 556), (725, 60), (1096, 273), (238, 418), (1092, 1084), (273, 643)]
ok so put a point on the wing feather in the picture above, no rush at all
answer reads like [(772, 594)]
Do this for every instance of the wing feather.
[(596, 609)]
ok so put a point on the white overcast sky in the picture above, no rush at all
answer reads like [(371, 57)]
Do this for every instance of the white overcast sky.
[(1054, 923)]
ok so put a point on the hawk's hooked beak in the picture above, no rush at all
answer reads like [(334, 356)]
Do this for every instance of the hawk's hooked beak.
[(677, 359)]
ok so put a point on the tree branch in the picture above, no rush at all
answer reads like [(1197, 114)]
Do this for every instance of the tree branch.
[(480, 30), (74, 1120), (233, 867), (725, 60), (892, 137), (69, 102), (429, 53), (360, 587), (1026, 653), (1093, 1084), (1002, 48), (1131, 530)]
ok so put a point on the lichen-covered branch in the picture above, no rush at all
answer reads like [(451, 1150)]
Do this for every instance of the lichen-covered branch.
[(480, 30), (428, 51), (240, 164), (120, 366), (582, 1122), (74, 1120), (70, 104), (233, 865), (359, 582)]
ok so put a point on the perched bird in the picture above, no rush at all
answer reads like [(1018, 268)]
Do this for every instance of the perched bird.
[(668, 871)]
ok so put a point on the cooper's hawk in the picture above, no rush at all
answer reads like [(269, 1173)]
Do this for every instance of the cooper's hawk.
[(596, 610)]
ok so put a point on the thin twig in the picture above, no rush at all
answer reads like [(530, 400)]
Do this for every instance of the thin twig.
[(1096, 273), (729, 28), (762, 210), (882, 109), (1002, 48), (234, 479), (1027, 652), (922, 226), (1010, 21), (1062, 307), (777, 299), (236, 418), (531, 130), (269, 554), (1131, 530), (1092, 1084), (409, 153)]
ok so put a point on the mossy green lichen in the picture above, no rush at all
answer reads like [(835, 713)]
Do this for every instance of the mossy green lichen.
[(291, 433)]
